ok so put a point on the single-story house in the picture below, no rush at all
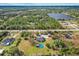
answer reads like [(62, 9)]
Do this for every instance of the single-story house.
[(7, 41), (40, 39)]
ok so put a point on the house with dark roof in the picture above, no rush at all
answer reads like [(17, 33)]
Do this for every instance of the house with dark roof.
[(8, 41), (4, 34)]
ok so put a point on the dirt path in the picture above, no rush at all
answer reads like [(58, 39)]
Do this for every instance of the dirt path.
[(17, 35)]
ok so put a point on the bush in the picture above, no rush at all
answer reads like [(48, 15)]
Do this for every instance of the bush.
[(25, 34), (59, 44), (48, 45)]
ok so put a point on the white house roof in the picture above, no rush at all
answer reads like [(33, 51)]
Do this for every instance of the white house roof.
[(45, 36)]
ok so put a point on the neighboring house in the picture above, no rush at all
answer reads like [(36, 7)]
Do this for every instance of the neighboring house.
[(4, 34), (7, 41)]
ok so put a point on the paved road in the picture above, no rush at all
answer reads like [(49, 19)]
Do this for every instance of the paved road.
[(40, 30)]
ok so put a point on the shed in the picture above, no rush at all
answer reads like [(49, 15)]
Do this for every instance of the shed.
[(1, 51), (68, 36)]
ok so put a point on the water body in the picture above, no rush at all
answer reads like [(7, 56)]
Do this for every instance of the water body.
[(59, 16), (39, 7), (56, 16)]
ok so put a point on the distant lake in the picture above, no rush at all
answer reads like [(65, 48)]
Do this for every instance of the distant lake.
[(39, 7), (59, 16)]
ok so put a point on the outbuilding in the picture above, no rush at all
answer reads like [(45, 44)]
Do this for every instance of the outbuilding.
[(1, 51)]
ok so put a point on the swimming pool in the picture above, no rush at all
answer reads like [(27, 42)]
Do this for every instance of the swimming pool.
[(40, 45)]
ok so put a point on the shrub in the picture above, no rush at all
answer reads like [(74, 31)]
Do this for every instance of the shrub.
[(48, 45)]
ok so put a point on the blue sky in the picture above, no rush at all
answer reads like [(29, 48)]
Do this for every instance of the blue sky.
[(39, 4)]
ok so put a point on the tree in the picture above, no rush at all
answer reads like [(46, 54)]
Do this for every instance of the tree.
[(48, 45), (69, 51), (12, 51)]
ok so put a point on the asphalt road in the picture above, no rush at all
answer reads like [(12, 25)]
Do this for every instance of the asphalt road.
[(40, 30)]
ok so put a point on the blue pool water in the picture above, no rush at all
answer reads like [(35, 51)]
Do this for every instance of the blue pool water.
[(40, 45)]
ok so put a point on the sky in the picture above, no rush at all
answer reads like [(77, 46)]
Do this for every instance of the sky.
[(39, 4)]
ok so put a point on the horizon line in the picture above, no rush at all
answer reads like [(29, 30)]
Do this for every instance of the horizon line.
[(39, 4)]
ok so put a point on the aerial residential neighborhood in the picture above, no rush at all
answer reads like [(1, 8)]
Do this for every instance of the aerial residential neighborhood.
[(39, 43), (39, 30)]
